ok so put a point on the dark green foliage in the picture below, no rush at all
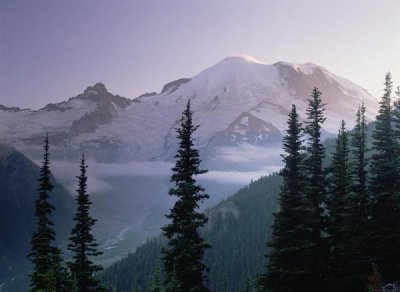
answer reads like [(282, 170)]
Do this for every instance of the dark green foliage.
[(357, 225), (156, 284), (18, 189), (288, 265), (185, 248), (359, 162), (258, 283), (82, 242), (384, 188), (315, 192), (139, 266), (238, 229), (62, 276), (48, 272), (174, 284), (339, 224)]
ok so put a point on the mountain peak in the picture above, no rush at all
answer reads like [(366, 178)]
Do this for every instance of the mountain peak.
[(98, 88), (114, 128)]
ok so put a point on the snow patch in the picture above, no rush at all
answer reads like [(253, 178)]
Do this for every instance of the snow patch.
[(246, 58)]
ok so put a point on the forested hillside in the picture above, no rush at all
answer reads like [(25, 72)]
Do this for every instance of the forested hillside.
[(238, 229), (18, 189)]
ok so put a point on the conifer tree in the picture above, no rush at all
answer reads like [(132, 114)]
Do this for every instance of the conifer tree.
[(384, 189), (315, 192), (48, 272), (340, 186), (357, 225), (82, 242), (339, 224), (185, 248), (287, 267), (156, 282), (359, 163)]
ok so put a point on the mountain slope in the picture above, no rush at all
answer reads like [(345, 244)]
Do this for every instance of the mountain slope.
[(112, 128), (64, 121), (238, 230), (18, 184), (240, 104), (223, 93)]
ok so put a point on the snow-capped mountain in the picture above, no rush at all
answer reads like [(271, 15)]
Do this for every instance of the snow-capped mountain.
[(241, 105), (237, 101)]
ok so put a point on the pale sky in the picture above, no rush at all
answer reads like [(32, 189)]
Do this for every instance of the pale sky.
[(51, 50)]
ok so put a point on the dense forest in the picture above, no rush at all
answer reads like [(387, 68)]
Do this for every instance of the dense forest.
[(238, 229)]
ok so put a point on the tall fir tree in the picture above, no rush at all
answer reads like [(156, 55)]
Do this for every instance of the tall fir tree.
[(288, 263), (48, 271), (315, 192), (82, 242), (339, 223), (384, 191), (357, 225), (359, 163), (183, 256)]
